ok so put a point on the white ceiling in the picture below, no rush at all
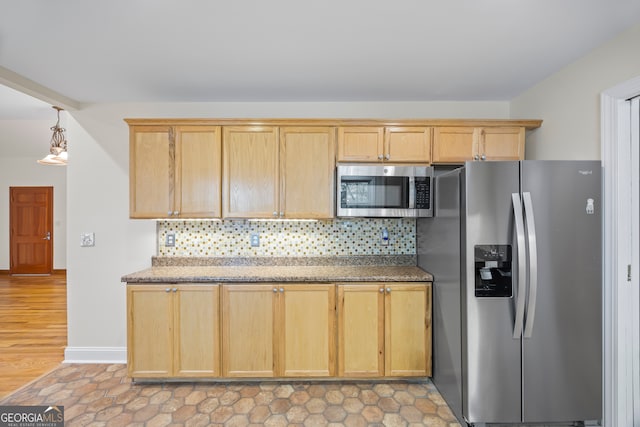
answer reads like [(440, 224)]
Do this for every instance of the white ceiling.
[(293, 50)]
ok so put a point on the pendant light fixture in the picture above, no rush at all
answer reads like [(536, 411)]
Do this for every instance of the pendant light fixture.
[(58, 149)]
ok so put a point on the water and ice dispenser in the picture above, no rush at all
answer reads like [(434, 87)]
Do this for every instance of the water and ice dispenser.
[(493, 271)]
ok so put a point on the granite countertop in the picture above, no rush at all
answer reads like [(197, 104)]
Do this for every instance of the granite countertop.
[(251, 270)]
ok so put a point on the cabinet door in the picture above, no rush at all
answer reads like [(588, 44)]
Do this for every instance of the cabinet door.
[(408, 330), (454, 144), (198, 162), (196, 337), (502, 143), (149, 331), (360, 144), (247, 330), (361, 330), (150, 172), (250, 168), (408, 145), (307, 157), (307, 336)]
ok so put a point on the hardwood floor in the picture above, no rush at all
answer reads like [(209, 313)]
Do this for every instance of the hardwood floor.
[(33, 327)]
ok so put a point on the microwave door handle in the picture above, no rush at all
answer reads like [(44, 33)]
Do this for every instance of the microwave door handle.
[(412, 192), (521, 281)]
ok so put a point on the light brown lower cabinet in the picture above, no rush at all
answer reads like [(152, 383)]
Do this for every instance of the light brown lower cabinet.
[(384, 329), (173, 331), (270, 330), (278, 330)]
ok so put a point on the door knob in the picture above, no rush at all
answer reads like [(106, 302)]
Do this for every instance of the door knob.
[(48, 236)]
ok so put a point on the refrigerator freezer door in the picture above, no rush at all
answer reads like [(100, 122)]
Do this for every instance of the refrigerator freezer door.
[(491, 356), (562, 359)]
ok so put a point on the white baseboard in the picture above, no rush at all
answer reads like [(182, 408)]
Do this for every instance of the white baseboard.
[(95, 355)]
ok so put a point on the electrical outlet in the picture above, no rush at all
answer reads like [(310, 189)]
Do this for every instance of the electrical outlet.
[(170, 240), (255, 240), (87, 239)]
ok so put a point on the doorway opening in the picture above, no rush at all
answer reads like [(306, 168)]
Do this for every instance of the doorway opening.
[(30, 230)]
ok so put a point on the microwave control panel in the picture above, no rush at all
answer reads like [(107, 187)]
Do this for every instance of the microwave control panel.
[(423, 192)]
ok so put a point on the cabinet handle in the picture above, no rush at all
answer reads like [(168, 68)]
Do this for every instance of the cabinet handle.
[(381, 290), (275, 290), (168, 290), (484, 157), (388, 290)]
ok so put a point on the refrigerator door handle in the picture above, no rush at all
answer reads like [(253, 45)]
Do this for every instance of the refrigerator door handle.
[(522, 269), (533, 263)]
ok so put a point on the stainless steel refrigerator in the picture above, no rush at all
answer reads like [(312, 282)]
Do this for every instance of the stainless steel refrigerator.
[(515, 249)]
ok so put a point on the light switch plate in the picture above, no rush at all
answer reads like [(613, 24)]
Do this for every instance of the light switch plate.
[(170, 240), (87, 239)]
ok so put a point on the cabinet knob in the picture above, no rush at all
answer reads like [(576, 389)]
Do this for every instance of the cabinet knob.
[(168, 290), (275, 213), (281, 214), (388, 290), (484, 157), (281, 289), (380, 157), (169, 213), (476, 157), (275, 290), (387, 157), (175, 289), (381, 290), (176, 213)]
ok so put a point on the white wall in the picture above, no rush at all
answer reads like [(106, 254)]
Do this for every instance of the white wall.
[(18, 168), (98, 201), (568, 102)]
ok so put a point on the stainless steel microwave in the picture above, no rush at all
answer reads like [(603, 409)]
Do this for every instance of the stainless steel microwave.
[(393, 191)]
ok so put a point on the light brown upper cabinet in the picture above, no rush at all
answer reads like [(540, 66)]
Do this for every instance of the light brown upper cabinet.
[(278, 172), (394, 144), (460, 144), (307, 158), (175, 171)]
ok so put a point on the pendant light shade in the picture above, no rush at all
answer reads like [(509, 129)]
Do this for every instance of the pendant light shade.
[(58, 150)]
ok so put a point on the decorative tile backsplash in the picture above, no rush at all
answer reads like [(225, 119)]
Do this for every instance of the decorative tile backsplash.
[(232, 238)]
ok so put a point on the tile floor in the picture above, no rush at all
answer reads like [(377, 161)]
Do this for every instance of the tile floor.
[(103, 395)]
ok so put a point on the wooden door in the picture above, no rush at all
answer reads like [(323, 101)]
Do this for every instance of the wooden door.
[(307, 336), (361, 330), (248, 330), (150, 330), (407, 330), (31, 230), (360, 144), (198, 171), (151, 172), (250, 181), (454, 144), (196, 325), (408, 145), (307, 158), (502, 143)]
